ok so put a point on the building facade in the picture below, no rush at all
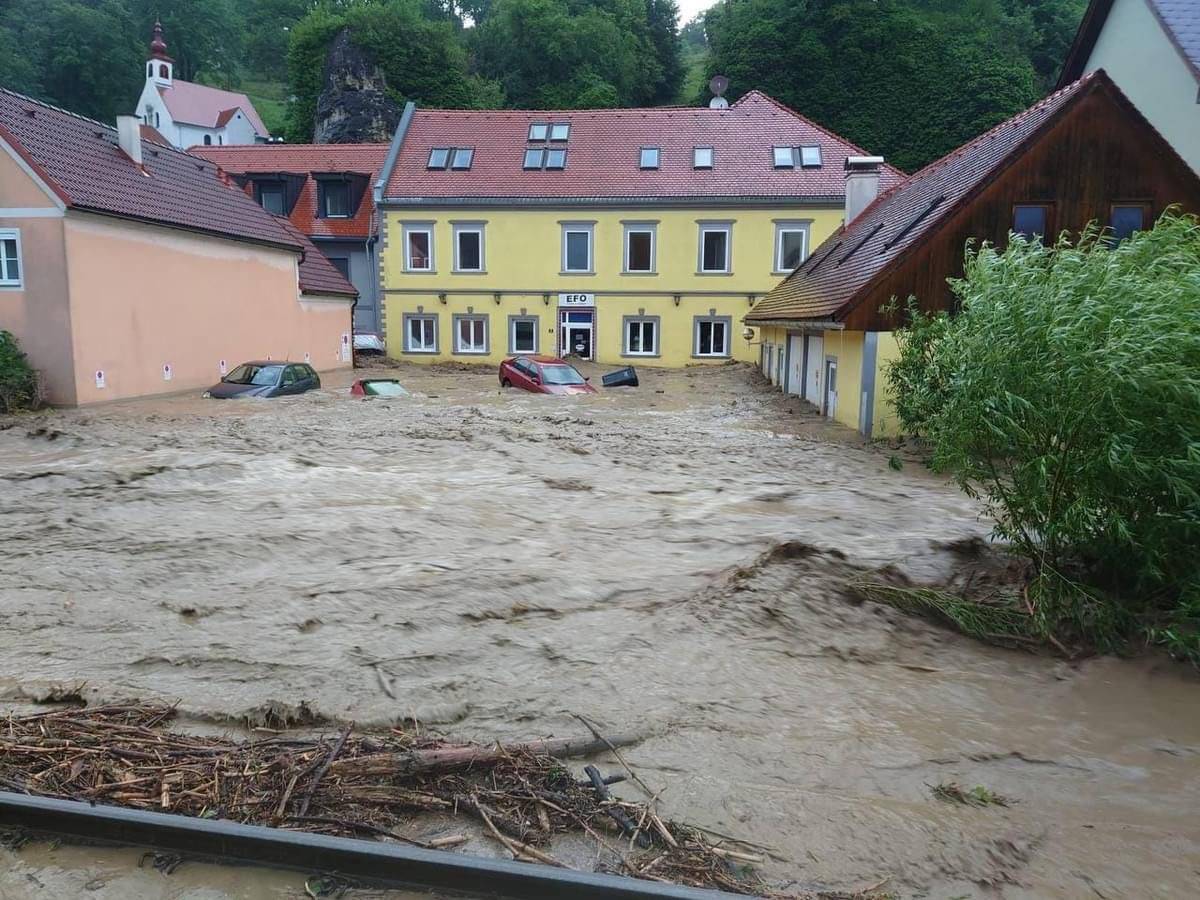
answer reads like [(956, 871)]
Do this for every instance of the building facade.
[(183, 114), (1084, 154), (128, 268), (620, 236), (1151, 49), (325, 191)]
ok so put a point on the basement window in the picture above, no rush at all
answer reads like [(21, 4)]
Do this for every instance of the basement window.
[(810, 157), (649, 158), (463, 157)]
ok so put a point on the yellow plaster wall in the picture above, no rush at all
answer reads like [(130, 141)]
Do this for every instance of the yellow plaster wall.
[(885, 422), (523, 260)]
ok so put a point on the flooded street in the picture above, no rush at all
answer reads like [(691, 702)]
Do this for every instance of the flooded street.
[(667, 561)]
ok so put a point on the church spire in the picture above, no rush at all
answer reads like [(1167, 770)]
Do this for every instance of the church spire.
[(158, 46), (159, 68)]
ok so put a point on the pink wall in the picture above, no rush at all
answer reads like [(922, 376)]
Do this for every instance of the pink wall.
[(144, 297), (37, 312)]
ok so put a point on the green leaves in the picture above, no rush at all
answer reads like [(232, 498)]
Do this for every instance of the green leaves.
[(1066, 394)]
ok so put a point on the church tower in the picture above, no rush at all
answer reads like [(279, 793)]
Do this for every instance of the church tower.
[(160, 67)]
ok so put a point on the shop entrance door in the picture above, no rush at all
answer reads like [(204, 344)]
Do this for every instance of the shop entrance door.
[(577, 333)]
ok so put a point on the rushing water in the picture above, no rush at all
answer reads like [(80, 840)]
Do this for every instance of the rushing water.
[(667, 560)]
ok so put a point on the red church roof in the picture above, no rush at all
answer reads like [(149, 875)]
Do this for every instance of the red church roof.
[(603, 148)]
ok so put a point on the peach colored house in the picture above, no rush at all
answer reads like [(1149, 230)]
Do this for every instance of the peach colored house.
[(128, 268)]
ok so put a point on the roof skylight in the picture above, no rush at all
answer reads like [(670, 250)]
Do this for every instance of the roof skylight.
[(534, 158), (810, 157), (785, 158), (556, 158), (702, 158), (538, 131), (439, 158), (463, 157), (649, 158), (560, 131)]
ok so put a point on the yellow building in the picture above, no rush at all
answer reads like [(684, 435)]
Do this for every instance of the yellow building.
[(623, 236)]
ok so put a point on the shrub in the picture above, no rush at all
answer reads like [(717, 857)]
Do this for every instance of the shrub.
[(19, 384), (1065, 394)]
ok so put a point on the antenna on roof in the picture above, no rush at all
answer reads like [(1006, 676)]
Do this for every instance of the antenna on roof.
[(718, 86)]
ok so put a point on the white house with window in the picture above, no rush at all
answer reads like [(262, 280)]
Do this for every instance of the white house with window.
[(185, 114)]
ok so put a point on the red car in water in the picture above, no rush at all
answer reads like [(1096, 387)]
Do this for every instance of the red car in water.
[(543, 375)]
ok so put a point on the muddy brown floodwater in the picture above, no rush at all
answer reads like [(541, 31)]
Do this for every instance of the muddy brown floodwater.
[(666, 560)]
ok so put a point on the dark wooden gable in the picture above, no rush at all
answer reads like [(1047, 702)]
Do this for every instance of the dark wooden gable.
[(1100, 152)]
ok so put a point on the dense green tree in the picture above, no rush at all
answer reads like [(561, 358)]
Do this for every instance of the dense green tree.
[(268, 28), (910, 79), (581, 53)]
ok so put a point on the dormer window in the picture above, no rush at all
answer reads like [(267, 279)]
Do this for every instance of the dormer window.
[(334, 200), (810, 157), (560, 131), (649, 158), (785, 158), (462, 158), (439, 158), (271, 196), (702, 158), (539, 131)]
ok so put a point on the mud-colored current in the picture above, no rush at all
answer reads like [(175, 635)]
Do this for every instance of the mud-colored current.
[(667, 560)]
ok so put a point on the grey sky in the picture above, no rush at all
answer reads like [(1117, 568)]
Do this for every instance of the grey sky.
[(689, 8)]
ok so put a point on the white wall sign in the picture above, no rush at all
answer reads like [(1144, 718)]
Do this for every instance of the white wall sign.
[(576, 299), (100, 378), (166, 371), (345, 346), (307, 357), (224, 368)]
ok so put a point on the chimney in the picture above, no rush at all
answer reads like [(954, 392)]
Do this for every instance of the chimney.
[(129, 136), (862, 184)]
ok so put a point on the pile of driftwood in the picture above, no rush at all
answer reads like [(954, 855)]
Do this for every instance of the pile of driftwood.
[(520, 795)]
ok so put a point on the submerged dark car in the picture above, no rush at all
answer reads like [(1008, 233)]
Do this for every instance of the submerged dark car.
[(265, 379)]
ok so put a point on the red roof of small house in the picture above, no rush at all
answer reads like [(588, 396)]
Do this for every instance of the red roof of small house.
[(81, 161), (317, 273), (1180, 19), (199, 104), (310, 159), (603, 155), (840, 272), (150, 133)]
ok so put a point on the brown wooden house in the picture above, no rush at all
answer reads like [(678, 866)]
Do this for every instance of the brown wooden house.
[(1083, 154)]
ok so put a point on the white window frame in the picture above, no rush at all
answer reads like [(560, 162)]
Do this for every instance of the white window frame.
[(512, 335), (810, 156), (789, 163), (588, 228), (409, 229), (560, 132), (712, 227), (461, 228), (429, 318), (472, 350), (725, 322), (647, 166), (712, 158), (641, 321), (632, 228), (539, 131), (790, 226), (13, 234)]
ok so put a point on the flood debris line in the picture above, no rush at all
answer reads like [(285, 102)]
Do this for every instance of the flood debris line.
[(363, 786), (952, 792)]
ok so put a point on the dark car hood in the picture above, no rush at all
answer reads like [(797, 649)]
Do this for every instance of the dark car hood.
[(224, 390)]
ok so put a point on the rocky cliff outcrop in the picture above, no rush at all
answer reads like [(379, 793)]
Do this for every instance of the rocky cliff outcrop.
[(353, 106)]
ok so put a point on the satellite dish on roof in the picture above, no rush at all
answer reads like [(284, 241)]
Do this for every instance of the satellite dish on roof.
[(718, 85)]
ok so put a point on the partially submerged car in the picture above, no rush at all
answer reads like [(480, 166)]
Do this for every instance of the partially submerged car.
[(543, 375), (369, 343), (377, 387), (264, 378)]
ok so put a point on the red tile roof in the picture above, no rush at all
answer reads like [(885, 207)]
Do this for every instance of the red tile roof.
[(602, 154), (306, 159), (1180, 19), (199, 104), (317, 274), (150, 133), (840, 272), (81, 161)]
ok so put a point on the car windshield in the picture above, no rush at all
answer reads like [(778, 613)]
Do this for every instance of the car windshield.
[(259, 375), (561, 375)]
